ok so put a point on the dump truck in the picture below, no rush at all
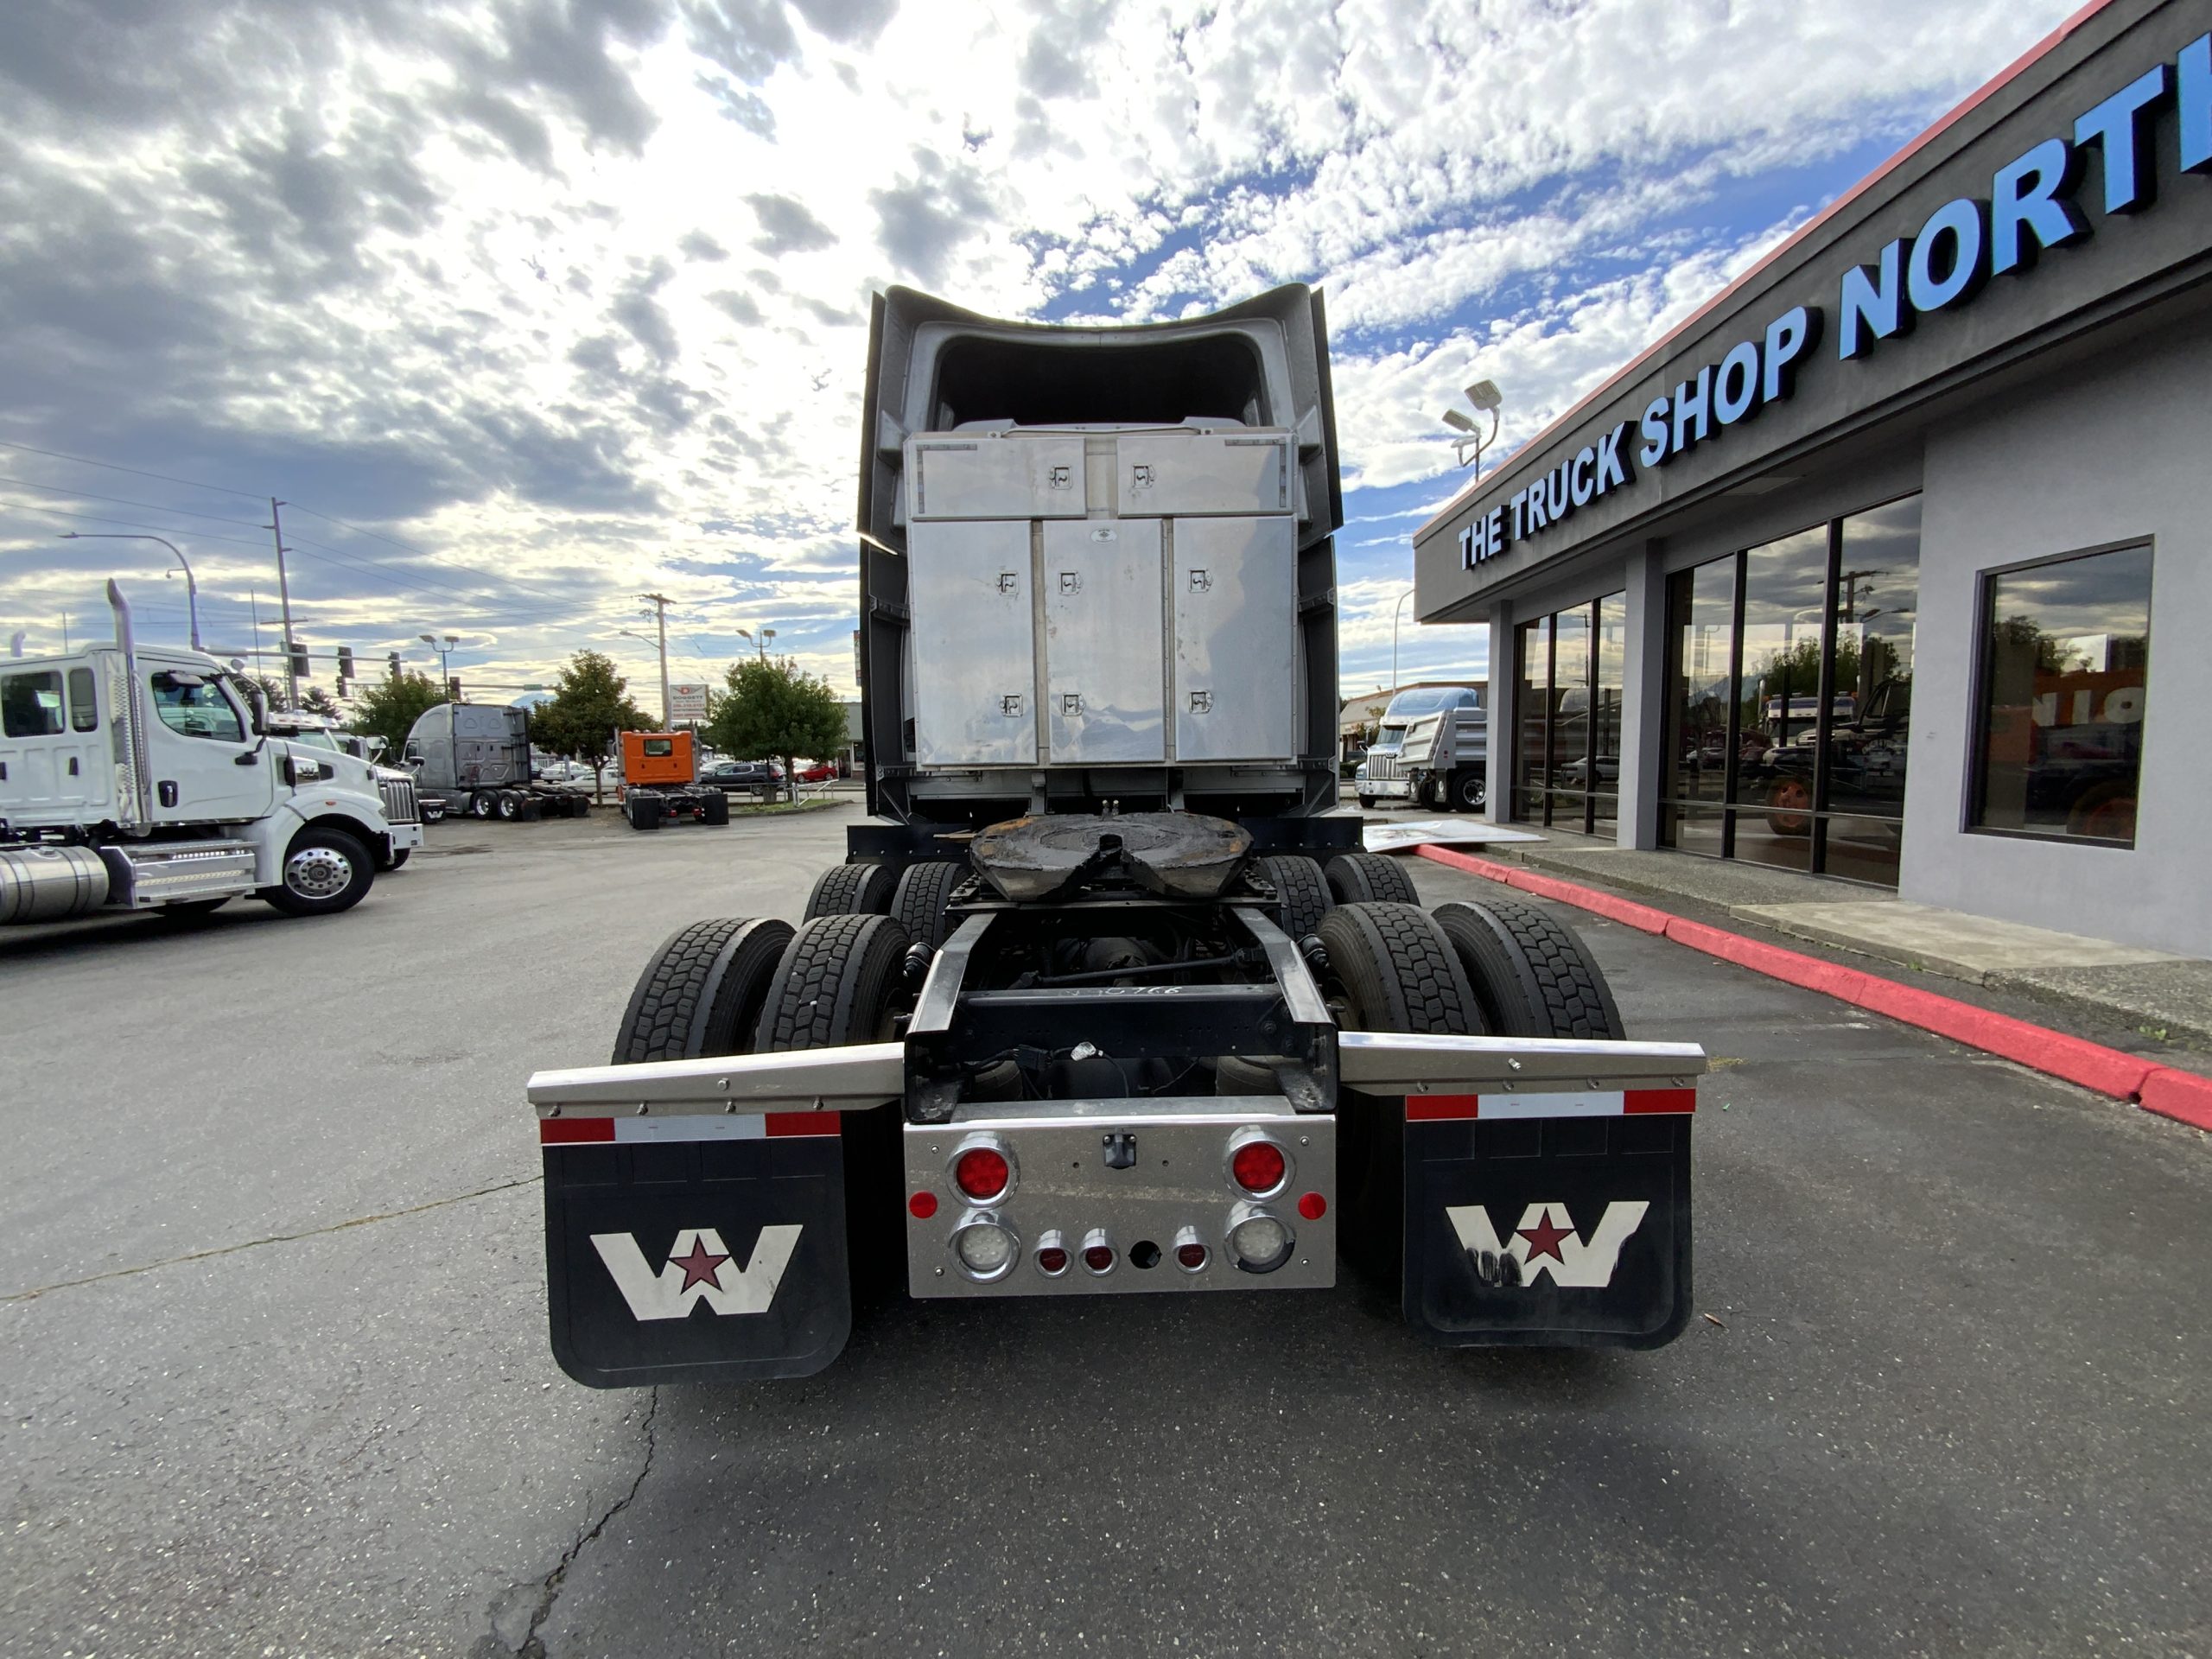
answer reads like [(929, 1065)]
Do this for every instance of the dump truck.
[(1105, 998), (138, 776), (474, 757), (1431, 748), (660, 782)]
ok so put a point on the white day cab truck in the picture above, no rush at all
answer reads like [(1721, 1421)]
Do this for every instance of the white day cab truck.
[(1105, 998), (396, 788), (1431, 748), (145, 778)]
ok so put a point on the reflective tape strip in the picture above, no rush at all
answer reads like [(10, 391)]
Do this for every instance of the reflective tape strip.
[(631, 1131), (1600, 1103)]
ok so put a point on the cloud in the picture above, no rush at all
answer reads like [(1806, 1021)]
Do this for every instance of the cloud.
[(921, 221), (787, 227)]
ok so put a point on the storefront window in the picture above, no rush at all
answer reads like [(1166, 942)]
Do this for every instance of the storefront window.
[(1572, 670), (1790, 681), (2065, 658)]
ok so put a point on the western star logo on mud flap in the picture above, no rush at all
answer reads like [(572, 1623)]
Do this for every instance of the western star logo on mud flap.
[(698, 1269), (1546, 1242)]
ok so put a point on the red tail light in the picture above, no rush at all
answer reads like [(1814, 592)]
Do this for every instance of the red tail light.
[(1099, 1258), (1053, 1261), (1258, 1167), (983, 1173), (1191, 1257), (1312, 1206), (923, 1205)]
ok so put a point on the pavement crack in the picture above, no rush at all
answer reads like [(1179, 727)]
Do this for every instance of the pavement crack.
[(532, 1645), (273, 1238)]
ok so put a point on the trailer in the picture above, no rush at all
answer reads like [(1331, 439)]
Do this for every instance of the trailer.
[(1105, 999), (473, 759), (660, 782), (147, 778)]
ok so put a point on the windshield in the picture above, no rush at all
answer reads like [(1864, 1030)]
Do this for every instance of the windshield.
[(1426, 701), (318, 739)]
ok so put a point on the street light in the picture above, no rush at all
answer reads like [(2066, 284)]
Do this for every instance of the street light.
[(452, 643), (759, 645), (660, 647), (1395, 618), (1485, 397), (191, 587)]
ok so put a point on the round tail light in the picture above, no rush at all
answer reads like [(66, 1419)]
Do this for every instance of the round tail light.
[(983, 1173), (985, 1249), (1097, 1251), (1051, 1256), (1190, 1253), (1312, 1206), (1258, 1168), (1258, 1242)]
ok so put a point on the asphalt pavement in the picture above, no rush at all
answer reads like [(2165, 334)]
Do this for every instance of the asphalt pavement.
[(276, 1380)]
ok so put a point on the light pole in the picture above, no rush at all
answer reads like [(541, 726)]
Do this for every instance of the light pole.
[(760, 644), (1485, 397), (191, 587), (452, 643), (1395, 618)]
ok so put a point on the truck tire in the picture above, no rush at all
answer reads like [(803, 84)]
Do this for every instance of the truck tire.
[(853, 890), (1390, 968), (643, 811), (325, 871), (834, 985), (481, 805), (1370, 877), (717, 809), (702, 992), (1367, 803), (1470, 791), (1302, 887), (509, 805), (918, 903), (392, 861), (1426, 793), (1530, 974), (529, 809)]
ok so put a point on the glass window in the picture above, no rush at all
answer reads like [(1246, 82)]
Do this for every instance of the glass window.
[(83, 701), (1573, 669), (30, 704), (659, 748), (1778, 697), (1609, 678), (2065, 659), (1702, 603), (196, 707), (1533, 704)]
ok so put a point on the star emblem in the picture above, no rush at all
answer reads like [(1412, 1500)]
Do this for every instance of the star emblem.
[(700, 1266), (1544, 1237)]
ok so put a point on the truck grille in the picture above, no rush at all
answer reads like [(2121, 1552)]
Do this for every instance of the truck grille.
[(399, 806), (1380, 766)]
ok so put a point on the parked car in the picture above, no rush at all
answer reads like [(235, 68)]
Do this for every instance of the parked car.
[(732, 776), (817, 772)]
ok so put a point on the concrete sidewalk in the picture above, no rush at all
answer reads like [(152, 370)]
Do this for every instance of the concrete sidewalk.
[(2159, 996)]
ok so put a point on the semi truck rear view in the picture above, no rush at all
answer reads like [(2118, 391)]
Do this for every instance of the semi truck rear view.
[(1105, 998), (474, 757)]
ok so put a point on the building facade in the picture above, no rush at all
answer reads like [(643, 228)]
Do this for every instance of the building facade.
[(1893, 563)]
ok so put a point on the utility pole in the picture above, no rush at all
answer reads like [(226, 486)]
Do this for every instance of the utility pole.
[(660, 615), (284, 593)]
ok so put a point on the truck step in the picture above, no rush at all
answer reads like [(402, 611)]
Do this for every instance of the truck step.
[(156, 873)]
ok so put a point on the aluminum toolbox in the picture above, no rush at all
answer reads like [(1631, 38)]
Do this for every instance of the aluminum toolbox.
[(994, 476), (1105, 668), (1172, 473), (973, 666), (1234, 585)]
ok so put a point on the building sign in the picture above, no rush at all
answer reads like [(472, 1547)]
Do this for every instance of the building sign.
[(687, 703), (2030, 208)]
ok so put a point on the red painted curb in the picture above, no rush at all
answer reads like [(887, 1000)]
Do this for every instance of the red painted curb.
[(2179, 1094)]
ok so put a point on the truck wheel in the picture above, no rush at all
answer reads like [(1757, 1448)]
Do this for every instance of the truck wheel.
[(394, 861), (717, 808), (1531, 976), (1425, 792), (834, 985), (481, 805), (1470, 791), (1298, 882), (509, 806), (853, 890), (643, 811), (1367, 878), (1367, 803), (528, 810), (1789, 807), (325, 871), (919, 904), (1391, 968), (702, 990)]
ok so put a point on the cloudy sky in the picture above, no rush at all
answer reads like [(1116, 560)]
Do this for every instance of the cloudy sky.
[(527, 308)]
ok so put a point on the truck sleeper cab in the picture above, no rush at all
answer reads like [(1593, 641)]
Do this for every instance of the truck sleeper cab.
[(1105, 999)]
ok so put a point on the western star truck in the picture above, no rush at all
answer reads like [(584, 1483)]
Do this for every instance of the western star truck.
[(401, 806), (1431, 749), (474, 758), (147, 778), (1105, 999), (660, 782)]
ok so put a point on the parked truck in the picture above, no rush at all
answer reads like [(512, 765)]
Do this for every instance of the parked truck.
[(148, 778), (301, 729), (660, 782), (1431, 749), (474, 757), (1105, 999)]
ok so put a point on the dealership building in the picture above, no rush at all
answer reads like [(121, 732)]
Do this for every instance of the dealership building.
[(1893, 563)]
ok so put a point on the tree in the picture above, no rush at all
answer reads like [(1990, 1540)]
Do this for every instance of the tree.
[(773, 710), (273, 691), (316, 701), (389, 708), (590, 703)]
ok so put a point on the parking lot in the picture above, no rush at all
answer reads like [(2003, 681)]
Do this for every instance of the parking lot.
[(277, 1379)]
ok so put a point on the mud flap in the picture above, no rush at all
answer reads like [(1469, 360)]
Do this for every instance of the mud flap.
[(695, 1260), (1562, 1232)]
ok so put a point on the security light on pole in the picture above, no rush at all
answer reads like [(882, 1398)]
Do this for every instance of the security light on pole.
[(1486, 397), (452, 643)]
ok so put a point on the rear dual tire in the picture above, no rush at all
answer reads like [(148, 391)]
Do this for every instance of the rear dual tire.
[(865, 889), (1370, 877)]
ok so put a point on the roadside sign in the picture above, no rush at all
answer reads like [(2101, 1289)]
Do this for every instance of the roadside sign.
[(687, 703)]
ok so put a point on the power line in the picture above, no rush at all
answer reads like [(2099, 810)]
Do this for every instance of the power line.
[(119, 501), (83, 461)]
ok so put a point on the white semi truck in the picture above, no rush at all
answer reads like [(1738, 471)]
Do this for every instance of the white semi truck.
[(146, 779), (1431, 749), (1104, 998)]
